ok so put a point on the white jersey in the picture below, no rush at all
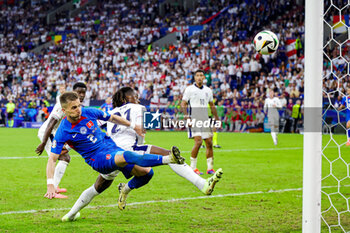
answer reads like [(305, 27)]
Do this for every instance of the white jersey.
[(272, 106), (123, 136), (57, 114), (198, 99)]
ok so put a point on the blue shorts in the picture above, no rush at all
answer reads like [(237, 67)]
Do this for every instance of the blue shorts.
[(347, 116), (104, 163)]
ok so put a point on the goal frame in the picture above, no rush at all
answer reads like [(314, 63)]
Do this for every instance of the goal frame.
[(312, 149)]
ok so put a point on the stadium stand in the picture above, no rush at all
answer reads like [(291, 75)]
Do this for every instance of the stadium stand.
[(107, 46)]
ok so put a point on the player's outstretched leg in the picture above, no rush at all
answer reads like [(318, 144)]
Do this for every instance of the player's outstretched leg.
[(60, 169), (152, 160), (101, 184), (211, 182), (67, 218)]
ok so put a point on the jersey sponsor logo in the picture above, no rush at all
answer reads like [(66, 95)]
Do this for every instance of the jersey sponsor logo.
[(83, 130), (108, 156), (151, 120), (89, 124), (54, 144)]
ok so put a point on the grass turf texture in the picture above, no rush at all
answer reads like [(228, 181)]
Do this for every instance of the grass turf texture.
[(254, 189)]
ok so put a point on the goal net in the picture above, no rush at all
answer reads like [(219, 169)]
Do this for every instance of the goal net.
[(335, 179)]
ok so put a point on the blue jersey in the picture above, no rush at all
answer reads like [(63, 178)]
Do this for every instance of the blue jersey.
[(107, 107), (346, 102), (85, 136)]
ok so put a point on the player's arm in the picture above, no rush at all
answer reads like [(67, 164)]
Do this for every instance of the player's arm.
[(50, 169), (122, 121), (213, 110), (183, 106), (39, 150), (265, 106)]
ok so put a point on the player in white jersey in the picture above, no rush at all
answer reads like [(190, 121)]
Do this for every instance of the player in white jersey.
[(125, 103), (197, 97), (47, 132), (271, 106)]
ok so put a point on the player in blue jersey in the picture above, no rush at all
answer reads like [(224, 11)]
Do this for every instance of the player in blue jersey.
[(345, 103), (80, 131), (107, 106), (126, 103)]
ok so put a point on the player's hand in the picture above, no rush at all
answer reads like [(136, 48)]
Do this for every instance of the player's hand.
[(51, 191), (139, 130), (39, 150), (217, 127)]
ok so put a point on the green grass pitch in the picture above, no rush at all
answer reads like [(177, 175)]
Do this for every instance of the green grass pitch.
[(260, 190)]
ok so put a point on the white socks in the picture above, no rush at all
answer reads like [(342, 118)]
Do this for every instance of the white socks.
[(84, 199), (166, 159), (210, 163), (126, 188), (274, 137), (187, 172), (193, 163), (59, 172)]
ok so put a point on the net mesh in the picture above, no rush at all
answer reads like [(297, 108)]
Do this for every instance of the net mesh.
[(335, 153)]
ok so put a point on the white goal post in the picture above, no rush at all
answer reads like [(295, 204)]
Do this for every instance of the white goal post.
[(312, 156)]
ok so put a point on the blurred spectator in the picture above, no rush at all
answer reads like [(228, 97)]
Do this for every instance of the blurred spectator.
[(10, 110)]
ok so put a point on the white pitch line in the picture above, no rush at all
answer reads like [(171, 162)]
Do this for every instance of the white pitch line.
[(169, 200), (219, 150), (158, 201)]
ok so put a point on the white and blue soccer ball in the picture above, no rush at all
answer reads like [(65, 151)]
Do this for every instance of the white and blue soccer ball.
[(266, 42)]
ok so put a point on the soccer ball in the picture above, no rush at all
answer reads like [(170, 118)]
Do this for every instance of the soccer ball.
[(266, 42)]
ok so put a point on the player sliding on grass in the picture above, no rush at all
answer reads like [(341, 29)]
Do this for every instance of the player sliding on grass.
[(81, 132), (125, 103), (48, 130)]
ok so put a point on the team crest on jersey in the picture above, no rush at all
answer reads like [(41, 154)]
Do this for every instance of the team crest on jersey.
[(83, 130), (89, 124), (54, 144), (108, 156)]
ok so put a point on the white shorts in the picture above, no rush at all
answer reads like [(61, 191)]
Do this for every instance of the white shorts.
[(140, 149), (273, 121), (49, 143), (202, 132)]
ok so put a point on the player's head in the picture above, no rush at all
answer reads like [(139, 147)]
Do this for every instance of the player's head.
[(109, 100), (80, 88), (199, 77), (125, 95), (271, 93), (71, 105)]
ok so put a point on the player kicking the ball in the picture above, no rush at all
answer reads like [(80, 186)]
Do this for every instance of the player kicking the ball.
[(80, 131), (125, 103), (271, 106)]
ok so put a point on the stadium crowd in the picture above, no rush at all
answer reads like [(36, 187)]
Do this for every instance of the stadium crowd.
[(106, 46)]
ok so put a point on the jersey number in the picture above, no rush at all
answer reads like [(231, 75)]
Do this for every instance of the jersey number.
[(92, 138), (201, 101), (126, 115)]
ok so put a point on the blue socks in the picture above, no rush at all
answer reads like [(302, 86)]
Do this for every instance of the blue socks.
[(146, 160), (139, 181)]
